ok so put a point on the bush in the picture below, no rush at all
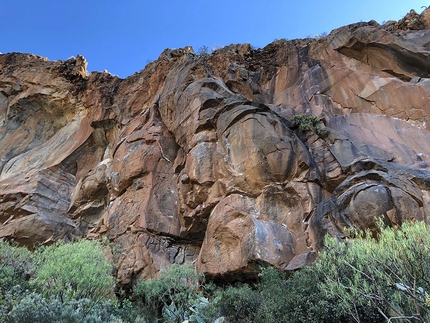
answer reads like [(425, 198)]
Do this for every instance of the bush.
[(59, 283), (35, 309), (361, 280), (390, 274), (203, 51), (280, 299), (306, 302), (364, 280), (239, 303), (16, 266), (305, 122), (74, 271), (175, 295)]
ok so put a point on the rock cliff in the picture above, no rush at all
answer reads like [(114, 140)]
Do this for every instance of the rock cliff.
[(229, 160)]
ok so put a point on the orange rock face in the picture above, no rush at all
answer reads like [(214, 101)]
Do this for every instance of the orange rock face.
[(200, 158)]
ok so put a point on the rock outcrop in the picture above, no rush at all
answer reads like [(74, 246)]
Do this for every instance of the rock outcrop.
[(200, 158)]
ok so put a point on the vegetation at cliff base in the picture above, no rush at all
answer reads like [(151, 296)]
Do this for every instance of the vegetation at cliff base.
[(58, 283), (367, 278)]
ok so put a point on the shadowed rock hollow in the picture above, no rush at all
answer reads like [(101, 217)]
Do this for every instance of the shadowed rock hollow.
[(199, 158)]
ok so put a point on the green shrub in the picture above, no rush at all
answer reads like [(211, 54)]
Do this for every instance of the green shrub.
[(390, 275), (60, 283), (74, 271), (361, 280), (306, 302), (272, 288), (239, 303), (175, 295), (126, 311), (280, 299), (305, 122), (35, 309), (16, 266)]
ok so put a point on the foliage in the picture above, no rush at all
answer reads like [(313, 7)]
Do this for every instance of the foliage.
[(33, 308), (366, 280), (390, 275), (175, 295), (59, 283), (306, 122), (272, 289), (16, 264), (280, 41), (308, 302), (304, 302), (264, 302), (203, 51), (239, 303), (360, 280), (278, 299), (74, 271)]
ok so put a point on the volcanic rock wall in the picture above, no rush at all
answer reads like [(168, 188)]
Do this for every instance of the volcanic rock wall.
[(200, 158)]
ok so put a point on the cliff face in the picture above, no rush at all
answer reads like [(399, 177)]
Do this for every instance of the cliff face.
[(199, 158)]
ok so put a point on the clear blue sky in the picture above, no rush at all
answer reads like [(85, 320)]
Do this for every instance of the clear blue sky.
[(123, 35)]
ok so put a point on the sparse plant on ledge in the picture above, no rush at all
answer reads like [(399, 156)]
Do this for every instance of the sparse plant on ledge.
[(280, 41), (306, 122), (203, 51), (322, 35)]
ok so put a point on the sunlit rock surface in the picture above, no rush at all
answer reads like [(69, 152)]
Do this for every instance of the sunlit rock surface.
[(198, 158)]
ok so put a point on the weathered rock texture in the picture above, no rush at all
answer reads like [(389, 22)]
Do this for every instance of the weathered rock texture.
[(197, 158)]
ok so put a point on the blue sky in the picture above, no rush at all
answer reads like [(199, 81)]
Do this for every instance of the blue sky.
[(122, 36)]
